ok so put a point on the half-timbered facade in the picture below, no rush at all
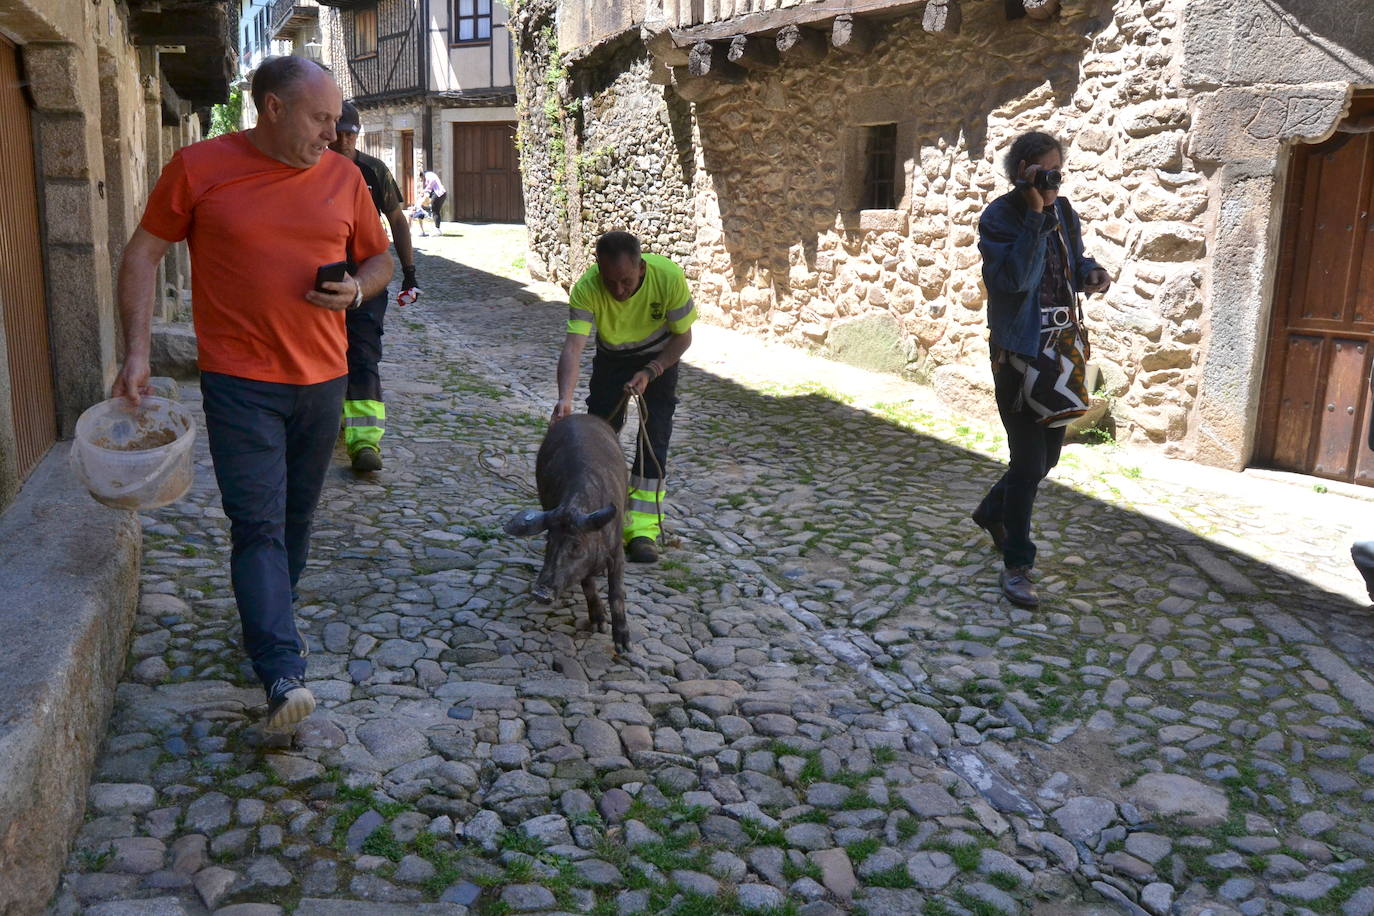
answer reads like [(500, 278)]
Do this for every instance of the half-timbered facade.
[(820, 167), (434, 82)]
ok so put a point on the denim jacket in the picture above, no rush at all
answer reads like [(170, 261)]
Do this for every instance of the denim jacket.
[(1011, 238)]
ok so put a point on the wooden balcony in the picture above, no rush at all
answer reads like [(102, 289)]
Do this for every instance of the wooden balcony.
[(291, 15), (199, 43)]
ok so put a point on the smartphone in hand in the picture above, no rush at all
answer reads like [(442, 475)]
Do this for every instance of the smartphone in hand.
[(331, 273)]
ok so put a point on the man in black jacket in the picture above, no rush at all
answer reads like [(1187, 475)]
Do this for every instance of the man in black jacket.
[(364, 413)]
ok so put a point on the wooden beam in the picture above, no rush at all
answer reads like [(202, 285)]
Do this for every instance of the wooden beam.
[(942, 17), (798, 44), (753, 53), (850, 35), (1041, 9), (711, 60), (810, 13)]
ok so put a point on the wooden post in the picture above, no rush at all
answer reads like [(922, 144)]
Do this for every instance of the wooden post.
[(850, 35), (798, 44), (705, 59), (1041, 9), (942, 17), (752, 53)]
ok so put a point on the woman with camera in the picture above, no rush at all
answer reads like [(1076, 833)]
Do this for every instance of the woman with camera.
[(1033, 268)]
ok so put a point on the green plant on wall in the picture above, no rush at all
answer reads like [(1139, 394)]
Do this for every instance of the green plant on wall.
[(227, 117), (556, 117), (587, 162)]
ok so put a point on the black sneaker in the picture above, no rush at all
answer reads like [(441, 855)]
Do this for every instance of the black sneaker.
[(641, 550), (366, 460), (288, 702)]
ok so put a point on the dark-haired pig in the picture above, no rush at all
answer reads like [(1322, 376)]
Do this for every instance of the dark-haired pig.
[(582, 484)]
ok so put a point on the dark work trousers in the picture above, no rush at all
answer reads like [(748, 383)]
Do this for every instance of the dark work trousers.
[(365, 331), (1034, 452), (609, 375), (436, 208), (271, 445), (364, 413)]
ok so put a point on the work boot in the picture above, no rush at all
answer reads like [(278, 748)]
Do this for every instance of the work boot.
[(288, 702), (1016, 585), (366, 460), (641, 550), (995, 529)]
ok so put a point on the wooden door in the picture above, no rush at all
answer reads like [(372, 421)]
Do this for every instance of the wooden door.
[(486, 174), (407, 167), (1315, 413), (21, 274)]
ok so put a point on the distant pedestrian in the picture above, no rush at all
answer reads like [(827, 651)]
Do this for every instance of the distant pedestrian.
[(261, 211), (437, 195), (418, 213), (364, 412), (1033, 268), (643, 314)]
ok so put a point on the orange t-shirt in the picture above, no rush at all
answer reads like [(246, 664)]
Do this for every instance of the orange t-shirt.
[(257, 229)]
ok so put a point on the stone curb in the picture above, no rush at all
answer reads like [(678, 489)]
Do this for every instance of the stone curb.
[(70, 571)]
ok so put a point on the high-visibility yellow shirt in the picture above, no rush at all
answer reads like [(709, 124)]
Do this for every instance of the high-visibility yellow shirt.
[(660, 308)]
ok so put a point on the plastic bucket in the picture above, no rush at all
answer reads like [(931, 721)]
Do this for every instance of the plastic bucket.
[(135, 457)]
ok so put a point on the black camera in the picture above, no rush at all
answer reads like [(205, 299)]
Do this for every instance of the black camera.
[(1047, 179)]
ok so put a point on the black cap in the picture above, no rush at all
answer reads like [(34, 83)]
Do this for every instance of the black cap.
[(349, 122)]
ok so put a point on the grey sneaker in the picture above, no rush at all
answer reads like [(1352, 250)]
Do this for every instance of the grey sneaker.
[(1016, 585), (288, 702)]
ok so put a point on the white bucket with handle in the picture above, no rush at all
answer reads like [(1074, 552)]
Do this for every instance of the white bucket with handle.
[(135, 457)]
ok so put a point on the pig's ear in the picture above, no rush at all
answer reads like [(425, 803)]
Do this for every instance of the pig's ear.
[(595, 521), (528, 523)]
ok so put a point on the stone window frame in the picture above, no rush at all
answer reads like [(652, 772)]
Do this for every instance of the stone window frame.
[(876, 150), (872, 109)]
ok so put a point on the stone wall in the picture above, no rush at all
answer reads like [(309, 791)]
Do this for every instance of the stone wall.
[(99, 104), (542, 96), (756, 188)]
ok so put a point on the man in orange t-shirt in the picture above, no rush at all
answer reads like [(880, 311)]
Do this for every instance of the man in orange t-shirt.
[(261, 210)]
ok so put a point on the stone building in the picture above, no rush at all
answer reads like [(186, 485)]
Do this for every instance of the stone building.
[(820, 168), (434, 83), (94, 99)]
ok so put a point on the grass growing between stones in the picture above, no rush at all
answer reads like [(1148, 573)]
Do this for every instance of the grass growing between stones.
[(965, 855), (974, 905), (381, 842), (1351, 883), (862, 849), (894, 877)]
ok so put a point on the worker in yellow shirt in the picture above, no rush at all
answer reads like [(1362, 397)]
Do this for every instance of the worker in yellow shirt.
[(643, 313)]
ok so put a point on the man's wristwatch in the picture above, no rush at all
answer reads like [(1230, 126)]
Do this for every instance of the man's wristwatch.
[(357, 295)]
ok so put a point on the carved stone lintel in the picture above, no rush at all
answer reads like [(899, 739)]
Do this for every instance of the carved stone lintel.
[(754, 53), (805, 45), (1041, 9), (850, 35), (942, 17)]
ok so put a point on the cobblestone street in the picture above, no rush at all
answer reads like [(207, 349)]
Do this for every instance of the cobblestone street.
[(827, 708)]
